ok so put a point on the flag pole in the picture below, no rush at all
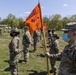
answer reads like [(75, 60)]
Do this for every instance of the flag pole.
[(45, 49), (38, 1), (47, 60)]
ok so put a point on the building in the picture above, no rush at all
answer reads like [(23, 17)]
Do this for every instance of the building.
[(3, 26)]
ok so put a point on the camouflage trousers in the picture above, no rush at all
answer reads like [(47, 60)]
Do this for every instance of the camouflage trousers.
[(53, 65), (14, 64), (35, 43), (26, 53), (14, 69)]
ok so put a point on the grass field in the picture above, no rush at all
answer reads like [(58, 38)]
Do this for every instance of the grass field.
[(36, 64)]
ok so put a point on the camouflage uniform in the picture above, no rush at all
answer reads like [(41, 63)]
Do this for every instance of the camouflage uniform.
[(54, 49), (68, 60), (52, 34), (36, 36), (0, 31), (26, 41), (49, 37), (68, 56), (14, 47)]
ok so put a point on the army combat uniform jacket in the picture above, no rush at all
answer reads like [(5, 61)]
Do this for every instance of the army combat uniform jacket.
[(68, 60), (15, 53), (14, 47), (54, 47)]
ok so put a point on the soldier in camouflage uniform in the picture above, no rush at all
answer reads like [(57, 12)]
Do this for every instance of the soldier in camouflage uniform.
[(54, 49), (50, 35), (26, 41), (15, 51), (36, 36), (0, 31), (68, 56)]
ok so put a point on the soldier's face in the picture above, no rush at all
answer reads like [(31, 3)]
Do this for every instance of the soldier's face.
[(71, 35), (25, 30)]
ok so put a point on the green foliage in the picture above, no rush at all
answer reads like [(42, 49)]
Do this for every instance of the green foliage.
[(57, 22), (12, 20), (54, 21), (21, 24)]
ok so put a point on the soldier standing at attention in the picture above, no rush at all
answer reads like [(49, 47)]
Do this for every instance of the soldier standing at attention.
[(49, 37), (36, 36), (15, 51), (52, 34), (68, 56), (54, 49), (26, 41), (0, 31)]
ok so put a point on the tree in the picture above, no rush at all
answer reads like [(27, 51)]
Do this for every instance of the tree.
[(73, 18), (21, 24), (12, 20), (55, 21)]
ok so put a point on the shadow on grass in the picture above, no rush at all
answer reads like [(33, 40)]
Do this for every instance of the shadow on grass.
[(31, 51), (6, 61), (20, 61), (7, 69), (41, 55), (37, 73)]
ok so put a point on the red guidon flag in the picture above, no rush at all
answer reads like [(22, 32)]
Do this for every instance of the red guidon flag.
[(34, 20)]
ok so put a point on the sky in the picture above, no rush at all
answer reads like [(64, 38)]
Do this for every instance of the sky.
[(22, 8)]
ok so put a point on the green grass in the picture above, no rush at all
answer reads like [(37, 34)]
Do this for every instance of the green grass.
[(36, 64)]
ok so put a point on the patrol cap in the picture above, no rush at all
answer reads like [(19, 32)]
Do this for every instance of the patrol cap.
[(53, 29), (15, 30), (49, 30), (70, 26), (26, 28), (55, 35)]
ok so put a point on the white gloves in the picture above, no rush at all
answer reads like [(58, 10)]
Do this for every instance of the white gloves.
[(47, 54)]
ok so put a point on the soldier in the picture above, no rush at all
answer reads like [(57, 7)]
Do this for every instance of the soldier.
[(68, 56), (52, 34), (54, 49), (49, 37), (15, 51), (0, 31), (53, 30), (36, 36), (26, 41)]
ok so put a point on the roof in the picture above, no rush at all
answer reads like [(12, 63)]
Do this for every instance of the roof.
[(2, 25)]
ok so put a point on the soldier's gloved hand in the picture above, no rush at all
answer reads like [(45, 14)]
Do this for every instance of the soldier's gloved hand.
[(47, 54)]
